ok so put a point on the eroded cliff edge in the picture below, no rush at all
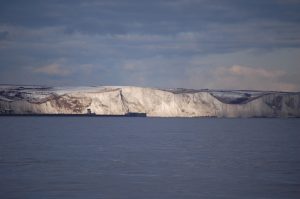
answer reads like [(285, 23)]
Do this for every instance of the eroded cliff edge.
[(119, 100)]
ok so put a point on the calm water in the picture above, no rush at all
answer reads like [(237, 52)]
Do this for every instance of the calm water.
[(149, 158)]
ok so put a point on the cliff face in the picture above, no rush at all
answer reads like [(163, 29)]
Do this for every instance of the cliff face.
[(153, 102)]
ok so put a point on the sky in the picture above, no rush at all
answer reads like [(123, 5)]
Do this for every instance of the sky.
[(214, 44)]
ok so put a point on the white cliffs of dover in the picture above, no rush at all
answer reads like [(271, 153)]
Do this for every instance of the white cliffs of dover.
[(119, 100)]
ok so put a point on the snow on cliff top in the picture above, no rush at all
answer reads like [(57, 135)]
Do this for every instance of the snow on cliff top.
[(18, 92)]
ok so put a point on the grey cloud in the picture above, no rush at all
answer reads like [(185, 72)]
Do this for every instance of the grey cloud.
[(161, 37), (240, 77), (3, 35)]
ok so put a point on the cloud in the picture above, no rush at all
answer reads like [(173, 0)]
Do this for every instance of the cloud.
[(53, 70), (241, 77), (172, 43), (245, 72)]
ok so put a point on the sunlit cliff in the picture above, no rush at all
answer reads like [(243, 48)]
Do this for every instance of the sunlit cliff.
[(119, 100)]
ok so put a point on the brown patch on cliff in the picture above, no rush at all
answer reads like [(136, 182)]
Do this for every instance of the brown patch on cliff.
[(71, 104)]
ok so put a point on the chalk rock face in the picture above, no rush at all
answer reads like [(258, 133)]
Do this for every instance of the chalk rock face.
[(119, 100)]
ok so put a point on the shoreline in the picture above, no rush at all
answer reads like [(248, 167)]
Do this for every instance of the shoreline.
[(73, 115), (133, 115)]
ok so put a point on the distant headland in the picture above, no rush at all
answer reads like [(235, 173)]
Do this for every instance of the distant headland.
[(128, 101)]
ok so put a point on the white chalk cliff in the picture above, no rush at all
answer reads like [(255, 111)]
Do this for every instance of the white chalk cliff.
[(119, 100)]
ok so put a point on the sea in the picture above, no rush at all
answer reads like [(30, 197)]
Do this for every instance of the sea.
[(149, 158)]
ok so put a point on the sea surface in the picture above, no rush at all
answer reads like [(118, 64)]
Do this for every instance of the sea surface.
[(149, 158)]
